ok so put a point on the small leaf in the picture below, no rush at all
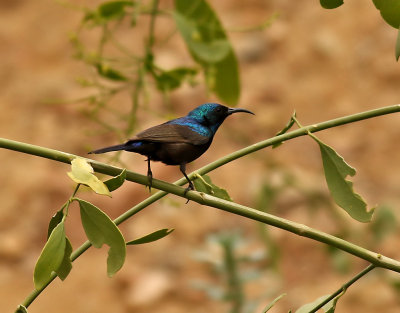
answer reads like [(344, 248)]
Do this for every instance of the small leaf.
[(82, 173), (331, 4), (328, 308), (336, 170), (151, 237), (21, 309), (65, 267), (390, 11), (116, 182), (100, 229), (113, 9), (270, 305), (204, 184), (55, 220), (170, 80), (110, 73), (51, 257), (397, 49)]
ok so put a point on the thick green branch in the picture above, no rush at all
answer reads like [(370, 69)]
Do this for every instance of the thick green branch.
[(302, 230)]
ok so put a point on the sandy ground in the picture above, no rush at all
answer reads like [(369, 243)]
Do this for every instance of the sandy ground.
[(323, 64)]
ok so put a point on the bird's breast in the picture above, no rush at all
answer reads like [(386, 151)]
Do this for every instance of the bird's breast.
[(179, 153)]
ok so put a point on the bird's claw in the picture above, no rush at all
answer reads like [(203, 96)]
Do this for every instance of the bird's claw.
[(150, 179), (189, 188)]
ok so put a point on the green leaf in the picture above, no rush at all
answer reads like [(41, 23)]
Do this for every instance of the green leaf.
[(331, 4), (336, 170), (151, 237), (21, 309), (397, 49), (113, 9), (110, 73), (377, 3), (82, 173), (226, 75), (328, 308), (100, 229), (204, 184), (116, 182), (65, 267), (55, 220), (51, 257), (170, 80), (270, 305), (209, 46), (208, 51), (390, 11)]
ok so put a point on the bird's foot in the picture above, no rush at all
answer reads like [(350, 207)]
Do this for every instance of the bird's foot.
[(189, 188), (150, 179)]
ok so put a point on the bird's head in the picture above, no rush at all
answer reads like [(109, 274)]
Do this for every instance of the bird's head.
[(213, 114)]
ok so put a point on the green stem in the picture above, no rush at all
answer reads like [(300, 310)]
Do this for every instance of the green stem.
[(302, 230), (152, 25), (344, 287)]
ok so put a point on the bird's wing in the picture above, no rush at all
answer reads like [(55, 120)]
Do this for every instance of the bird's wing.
[(173, 133)]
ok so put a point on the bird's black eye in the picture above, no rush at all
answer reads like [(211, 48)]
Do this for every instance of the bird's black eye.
[(218, 109)]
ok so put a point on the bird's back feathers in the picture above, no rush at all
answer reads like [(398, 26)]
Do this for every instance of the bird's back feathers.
[(171, 133)]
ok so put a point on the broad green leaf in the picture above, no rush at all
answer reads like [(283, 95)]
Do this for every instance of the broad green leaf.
[(328, 308), (151, 237), (331, 4), (170, 80), (397, 49), (100, 229), (51, 257), (209, 51), (113, 9), (82, 173), (377, 3), (336, 170), (273, 302), (21, 309), (55, 220), (227, 85), (116, 182), (390, 11), (110, 73), (65, 267), (204, 184), (209, 46)]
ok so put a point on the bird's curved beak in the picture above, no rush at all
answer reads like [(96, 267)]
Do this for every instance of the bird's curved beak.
[(232, 110)]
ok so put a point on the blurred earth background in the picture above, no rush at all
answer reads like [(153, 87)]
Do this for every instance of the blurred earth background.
[(322, 63)]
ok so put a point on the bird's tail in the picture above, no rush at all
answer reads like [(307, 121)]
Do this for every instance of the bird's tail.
[(108, 149)]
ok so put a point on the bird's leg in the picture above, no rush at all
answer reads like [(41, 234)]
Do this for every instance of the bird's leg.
[(149, 174), (182, 167)]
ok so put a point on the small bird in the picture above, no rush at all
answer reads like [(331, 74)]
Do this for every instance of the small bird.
[(178, 141)]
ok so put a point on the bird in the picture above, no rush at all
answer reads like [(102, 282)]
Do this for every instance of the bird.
[(178, 141)]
